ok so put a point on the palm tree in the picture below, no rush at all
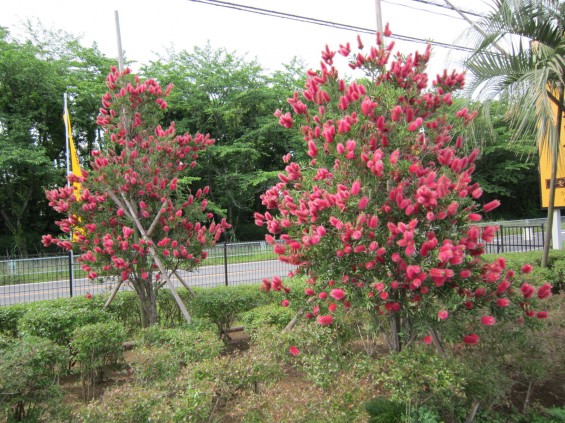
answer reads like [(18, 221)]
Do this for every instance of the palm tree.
[(519, 54)]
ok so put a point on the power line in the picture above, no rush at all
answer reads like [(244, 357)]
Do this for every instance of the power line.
[(336, 25), (444, 6), (421, 9)]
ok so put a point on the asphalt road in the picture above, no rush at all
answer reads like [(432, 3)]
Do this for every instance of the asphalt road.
[(206, 276)]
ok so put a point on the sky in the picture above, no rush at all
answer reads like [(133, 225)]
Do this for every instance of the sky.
[(149, 28)]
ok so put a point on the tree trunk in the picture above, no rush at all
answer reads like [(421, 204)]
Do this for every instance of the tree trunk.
[(555, 160)]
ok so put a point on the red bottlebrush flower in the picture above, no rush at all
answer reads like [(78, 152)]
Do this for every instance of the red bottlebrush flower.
[(427, 339), (309, 291), (474, 217), (265, 285), (88, 295), (526, 268), (442, 314), (527, 290), (47, 240), (414, 125), (332, 307), (325, 320), (285, 303), (294, 351), (337, 294), (368, 106), (286, 120), (363, 203), (471, 339), (488, 320), (322, 295), (503, 302), (396, 114), (491, 206), (542, 314), (544, 291)]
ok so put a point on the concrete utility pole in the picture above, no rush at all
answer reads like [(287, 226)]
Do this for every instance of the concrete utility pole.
[(379, 16), (119, 38)]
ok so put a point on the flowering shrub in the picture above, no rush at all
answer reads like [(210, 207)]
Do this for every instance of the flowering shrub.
[(384, 215), (133, 217)]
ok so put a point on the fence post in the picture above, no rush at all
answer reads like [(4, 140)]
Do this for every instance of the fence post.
[(226, 260), (501, 240), (71, 273)]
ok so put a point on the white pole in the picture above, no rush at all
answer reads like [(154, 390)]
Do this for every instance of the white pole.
[(379, 16), (556, 237), (119, 38), (68, 160)]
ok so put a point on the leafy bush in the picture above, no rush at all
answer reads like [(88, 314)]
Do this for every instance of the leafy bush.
[(418, 375), (57, 320), (272, 315), (168, 310), (154, 364), (126, 404), (223, 305), (236, 372), (9, 316), (187, 344), (96, 346), (29, 373), (383, 410), (319, 352), (125, 308)]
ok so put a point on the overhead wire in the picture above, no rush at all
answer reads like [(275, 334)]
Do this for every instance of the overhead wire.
[(445, 6), (421, 9), (314, 21)]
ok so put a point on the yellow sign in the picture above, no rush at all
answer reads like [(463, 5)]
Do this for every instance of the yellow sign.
[(545, 159)]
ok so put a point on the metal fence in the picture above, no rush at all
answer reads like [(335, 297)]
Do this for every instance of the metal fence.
[(516, 238), (48, 277), (42, 278)]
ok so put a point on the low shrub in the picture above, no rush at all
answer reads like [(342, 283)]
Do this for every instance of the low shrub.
[(418, 375), (29, 374), (383, 410), (9, 316), (57, 320), (154, 364), (125, 404), (169, 314), (96, 346), (189, 345), (124, 308), (270, 315), (317, 351), (343, 401), (234, 373), (223, 305)]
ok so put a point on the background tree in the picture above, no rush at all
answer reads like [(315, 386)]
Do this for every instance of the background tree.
[(133, 219), (34, 75), (221, 93), (383, 217), (507, 168), (520, 52)]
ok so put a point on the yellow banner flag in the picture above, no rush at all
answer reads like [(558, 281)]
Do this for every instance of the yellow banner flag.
[(546, 160), (75, 164)]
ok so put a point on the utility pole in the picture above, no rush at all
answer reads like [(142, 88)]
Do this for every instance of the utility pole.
[(119, 38), (379, 16)]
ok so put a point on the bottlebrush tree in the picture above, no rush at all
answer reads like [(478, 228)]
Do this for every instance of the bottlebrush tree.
[(132, 217), (384, 216)]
